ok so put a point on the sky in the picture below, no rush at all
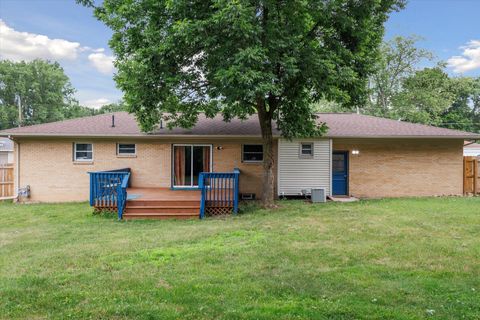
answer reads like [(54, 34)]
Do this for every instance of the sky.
[(64, 31)]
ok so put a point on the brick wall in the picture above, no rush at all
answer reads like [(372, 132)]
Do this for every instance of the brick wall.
[(397, 168), (251, 173), (47, 166)]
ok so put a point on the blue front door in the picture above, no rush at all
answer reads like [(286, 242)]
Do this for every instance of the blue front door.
[(340, 173)]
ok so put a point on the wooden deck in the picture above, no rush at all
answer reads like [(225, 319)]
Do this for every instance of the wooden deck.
[(217, 195), (162, 203)]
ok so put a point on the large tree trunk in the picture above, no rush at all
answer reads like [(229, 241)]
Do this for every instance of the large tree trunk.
[(268, 159)]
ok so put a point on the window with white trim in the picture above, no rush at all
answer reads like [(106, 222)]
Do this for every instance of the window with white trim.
[(126, 149), (252, 153), (306, 150), (83, 152)]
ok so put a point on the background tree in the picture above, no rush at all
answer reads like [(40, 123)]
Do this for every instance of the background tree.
[(401, 89), (399, 59), (42, 88), (113, 107), (45, 94), (425, 97), (74, 110), (327, 106), (464, 113), (176, 59)]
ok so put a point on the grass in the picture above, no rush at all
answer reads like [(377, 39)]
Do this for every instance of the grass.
[(379, 259)]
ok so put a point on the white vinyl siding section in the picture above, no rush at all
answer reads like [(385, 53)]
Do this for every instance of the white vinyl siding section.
[(6, 157), (3, 158), (296, 173), (471, 152)]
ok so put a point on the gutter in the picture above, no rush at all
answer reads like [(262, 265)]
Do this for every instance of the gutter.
[(470, 137), (199, 136)]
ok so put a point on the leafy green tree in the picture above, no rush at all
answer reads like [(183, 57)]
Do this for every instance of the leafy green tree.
[(399, 89), (113, 107), (75, 110), (330, 106), (464, 113), (41, 87), (425, 97), (399, 59), (176, 59)]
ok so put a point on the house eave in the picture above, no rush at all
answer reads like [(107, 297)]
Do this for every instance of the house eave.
[(405, 137), (124, 136), (198, 136)]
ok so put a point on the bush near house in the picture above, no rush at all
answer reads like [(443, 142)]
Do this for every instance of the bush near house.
[(395, 259)]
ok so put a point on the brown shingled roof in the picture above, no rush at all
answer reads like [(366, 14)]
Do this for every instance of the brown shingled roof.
[(341, 125)]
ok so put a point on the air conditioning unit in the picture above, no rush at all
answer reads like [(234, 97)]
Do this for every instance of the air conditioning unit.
[(318, 195)]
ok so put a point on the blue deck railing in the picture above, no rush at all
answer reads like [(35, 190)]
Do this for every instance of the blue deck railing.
[(220, 192), (108, 189), (122, 195)]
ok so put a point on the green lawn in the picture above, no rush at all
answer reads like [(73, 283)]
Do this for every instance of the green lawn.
[(385, 259)]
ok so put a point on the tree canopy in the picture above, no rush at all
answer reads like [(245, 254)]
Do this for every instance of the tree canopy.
[(176, 59), (398, 59), (42, 89), (425, 97), (401, 89), (44, 92), (464, 112)]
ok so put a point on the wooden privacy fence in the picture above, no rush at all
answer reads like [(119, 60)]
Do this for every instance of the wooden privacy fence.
[(6, 182), (471, 175)]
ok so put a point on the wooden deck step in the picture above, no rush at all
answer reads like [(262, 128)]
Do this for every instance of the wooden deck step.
[(156, 215), (150, 203), (162, 203), (162, 209)]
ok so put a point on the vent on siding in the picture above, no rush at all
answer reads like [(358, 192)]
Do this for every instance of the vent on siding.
[(247, 196)]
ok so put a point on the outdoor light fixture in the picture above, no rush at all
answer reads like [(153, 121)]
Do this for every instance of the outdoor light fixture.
[(355, 152), (219, 148)]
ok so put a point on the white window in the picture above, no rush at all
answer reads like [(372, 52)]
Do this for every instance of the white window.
[(83, 152), (252, 153), (306, 150), (126, 149)]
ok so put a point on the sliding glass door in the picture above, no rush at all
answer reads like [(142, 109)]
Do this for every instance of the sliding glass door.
[(188, 162)]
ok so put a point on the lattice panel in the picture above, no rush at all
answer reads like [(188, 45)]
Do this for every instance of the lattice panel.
[(217, 211)]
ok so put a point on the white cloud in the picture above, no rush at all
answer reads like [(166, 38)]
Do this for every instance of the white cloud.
[(92, 49), (102, 62), (469, 60), (16, 46), (96, 103), (94, 90)]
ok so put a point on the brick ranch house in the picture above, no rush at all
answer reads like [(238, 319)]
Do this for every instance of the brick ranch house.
[(362, 156)]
